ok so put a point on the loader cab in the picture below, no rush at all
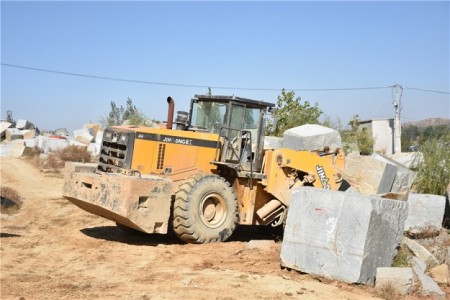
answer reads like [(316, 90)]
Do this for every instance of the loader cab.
[(240, 124)]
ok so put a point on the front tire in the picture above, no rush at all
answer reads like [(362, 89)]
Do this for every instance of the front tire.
[(205, 210)]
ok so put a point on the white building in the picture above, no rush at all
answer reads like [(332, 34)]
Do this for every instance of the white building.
[(382, 132)]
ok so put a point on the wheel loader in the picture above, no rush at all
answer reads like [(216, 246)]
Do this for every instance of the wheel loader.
[(202, 177)]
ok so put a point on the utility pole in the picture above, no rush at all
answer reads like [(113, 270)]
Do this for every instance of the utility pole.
[(397, 91)]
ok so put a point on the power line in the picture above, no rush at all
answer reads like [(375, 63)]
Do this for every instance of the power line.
[(188, 85), (423, 90)]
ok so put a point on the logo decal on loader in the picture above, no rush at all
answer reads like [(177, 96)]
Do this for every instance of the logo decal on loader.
[(323, 177)]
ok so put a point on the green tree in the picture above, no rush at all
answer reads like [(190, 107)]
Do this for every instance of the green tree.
[(410, 135), (290, 113), (433, 132), (119, 114), (433, 173), (10, 119), (361, 136)]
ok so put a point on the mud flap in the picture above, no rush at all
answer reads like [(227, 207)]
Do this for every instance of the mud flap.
[(141, 203)]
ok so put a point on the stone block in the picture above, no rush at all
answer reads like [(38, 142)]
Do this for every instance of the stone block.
[(83, 136), (48, 144), (420, 252), (410, 160), (99, 137), (425, 212), (440, 274), (92, 128), (340, 235), (272, 142), (24, 124), (12, 134), (28, 133), (94, 149), (429, 287), (401, 279), (403, 176), (14, 148), (312, 137), (3, 126)]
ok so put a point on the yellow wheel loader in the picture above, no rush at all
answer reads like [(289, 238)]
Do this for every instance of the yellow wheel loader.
[(205, 176)]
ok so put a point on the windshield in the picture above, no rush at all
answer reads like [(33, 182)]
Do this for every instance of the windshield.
[(206, 114)]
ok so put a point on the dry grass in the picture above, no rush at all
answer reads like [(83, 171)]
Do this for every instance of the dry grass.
[(388, 292), (57, 159), (428, 231), (10, 201)]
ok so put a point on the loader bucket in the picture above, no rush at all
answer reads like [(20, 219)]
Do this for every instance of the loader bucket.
[(141, 203)]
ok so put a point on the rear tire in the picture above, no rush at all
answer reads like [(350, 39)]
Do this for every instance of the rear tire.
[(205, 210)]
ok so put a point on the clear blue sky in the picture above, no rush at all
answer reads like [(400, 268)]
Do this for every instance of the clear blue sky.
[(302, 45)]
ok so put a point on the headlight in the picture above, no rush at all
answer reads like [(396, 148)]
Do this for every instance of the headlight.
[(123, 138), (107, 136)]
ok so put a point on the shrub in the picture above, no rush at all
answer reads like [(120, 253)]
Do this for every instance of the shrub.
[(433, 173), (58, 158), (10, 201)]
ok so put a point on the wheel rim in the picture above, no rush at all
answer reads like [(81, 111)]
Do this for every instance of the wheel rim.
[(213, 210)]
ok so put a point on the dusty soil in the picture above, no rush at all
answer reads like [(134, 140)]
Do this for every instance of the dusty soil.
[(51, 249)]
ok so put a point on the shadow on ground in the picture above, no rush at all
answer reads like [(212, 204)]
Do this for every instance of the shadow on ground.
[(132, 237), (7, 235)]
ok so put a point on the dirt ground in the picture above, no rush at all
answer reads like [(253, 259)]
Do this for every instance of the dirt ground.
[(51, 249)]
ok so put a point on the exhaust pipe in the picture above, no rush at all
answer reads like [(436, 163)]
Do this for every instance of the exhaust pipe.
[(170, 112)]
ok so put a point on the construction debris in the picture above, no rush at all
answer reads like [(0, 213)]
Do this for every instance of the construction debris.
[(425, 212), (320, 236), (83, 136)]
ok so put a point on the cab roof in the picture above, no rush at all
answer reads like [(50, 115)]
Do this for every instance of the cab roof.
[(221, 98)]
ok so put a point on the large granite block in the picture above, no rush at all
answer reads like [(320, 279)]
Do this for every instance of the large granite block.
[(425, 212), (341, 235), (311, 137)]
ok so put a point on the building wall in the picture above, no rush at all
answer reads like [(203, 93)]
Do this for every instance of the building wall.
[(383, 133)]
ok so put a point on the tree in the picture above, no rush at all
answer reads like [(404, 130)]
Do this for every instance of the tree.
[(360, 136), (118, 115), (10, 119), (290, 113)]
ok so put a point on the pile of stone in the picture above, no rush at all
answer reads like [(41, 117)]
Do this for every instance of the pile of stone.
[(353, 236), (17, 141)]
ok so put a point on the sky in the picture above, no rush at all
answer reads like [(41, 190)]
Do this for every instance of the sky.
[(253, 48)]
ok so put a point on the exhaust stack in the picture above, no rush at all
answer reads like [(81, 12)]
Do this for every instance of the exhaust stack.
[(170, 112)]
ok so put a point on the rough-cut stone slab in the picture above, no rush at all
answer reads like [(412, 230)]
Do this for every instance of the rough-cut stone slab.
[(387, 179), (272, 142), (21, 124), (12, 134), (3, 126), (341, 235), (410, 160), (425, 212), (14, 148), (48, 144), (92, 128), (312, 137), (401, 279), (429, 286), (404, 177), (94, 149), (83, 136), (99, 137), (440, 274), (28, 133), (420, 252)]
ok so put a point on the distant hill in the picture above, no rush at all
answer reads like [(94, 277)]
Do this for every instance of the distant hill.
[(428, 122)]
